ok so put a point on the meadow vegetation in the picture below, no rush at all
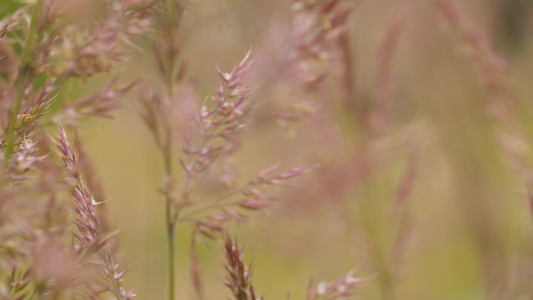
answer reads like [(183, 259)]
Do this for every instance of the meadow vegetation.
[(353, 149)]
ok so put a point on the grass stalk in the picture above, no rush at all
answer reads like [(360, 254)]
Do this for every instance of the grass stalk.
[(175, 9), (170, 224)]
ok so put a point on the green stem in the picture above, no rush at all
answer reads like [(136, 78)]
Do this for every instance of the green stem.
[(170, 231), (168, 159), (175, 10), (170, 222)]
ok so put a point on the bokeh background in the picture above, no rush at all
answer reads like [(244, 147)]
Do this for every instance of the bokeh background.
[(470, 219)]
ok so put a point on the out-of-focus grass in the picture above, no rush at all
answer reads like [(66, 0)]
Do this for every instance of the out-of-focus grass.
[(463, 190), (8, 6)]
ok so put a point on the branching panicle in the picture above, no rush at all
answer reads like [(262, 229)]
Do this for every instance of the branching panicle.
[(92, 241)]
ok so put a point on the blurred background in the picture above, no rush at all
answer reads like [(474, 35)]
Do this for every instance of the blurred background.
[(469, 232)]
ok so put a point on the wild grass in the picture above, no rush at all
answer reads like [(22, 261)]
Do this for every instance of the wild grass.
[(322, 144)]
